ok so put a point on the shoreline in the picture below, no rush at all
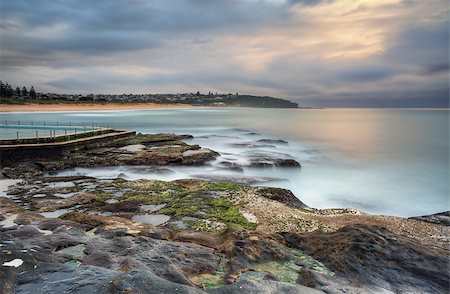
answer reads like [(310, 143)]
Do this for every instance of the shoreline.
[(225, 228), (88, 107)]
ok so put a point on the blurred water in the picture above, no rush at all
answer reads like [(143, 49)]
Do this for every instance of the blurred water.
[(384, 161)]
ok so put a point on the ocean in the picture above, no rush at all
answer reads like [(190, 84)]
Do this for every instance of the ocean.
[(382, 161)]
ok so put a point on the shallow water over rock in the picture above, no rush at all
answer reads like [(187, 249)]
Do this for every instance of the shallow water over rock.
[(133, 148), (56, 213), (153, 219), (152, 208)]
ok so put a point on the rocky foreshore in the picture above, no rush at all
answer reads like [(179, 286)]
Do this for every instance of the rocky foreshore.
[(157, 149), (82, 234)]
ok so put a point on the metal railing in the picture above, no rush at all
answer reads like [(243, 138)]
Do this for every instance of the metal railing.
[(51, 130), (54, 124)]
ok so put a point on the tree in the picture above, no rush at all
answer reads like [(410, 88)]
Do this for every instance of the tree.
[(2, 89), (9, 91), (6, 90), (24, 91), (17, 91), (32, 93)]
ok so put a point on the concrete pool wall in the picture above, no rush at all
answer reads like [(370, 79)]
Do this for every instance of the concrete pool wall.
[(21, 152)]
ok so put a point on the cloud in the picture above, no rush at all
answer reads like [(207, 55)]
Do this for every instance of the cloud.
[(318, 52)]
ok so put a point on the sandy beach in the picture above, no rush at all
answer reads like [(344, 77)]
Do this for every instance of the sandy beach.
[(87, 106)]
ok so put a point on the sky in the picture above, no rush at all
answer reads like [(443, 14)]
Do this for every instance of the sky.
[(322, 53)]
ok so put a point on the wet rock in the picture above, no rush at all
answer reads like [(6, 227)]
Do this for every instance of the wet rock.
[(160, 149), (272, 141), (252, 145), (250, 287), (146, 282), (273, 162), (370, 255), (243, 180), (21, 169), (287, 163), (122, 176), (7, 171), (442, 218), (201, 156), (123, 206), (231, 166), (281, 195), (247, 251), (84, 252), (150, 170)]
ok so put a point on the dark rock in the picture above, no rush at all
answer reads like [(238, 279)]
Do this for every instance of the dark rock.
[(251, 145), (231, 166), (19, 170), (91, 221), (98, 258), (442, 218), (94, 279), (197, 157), (7, 171), (261, 162), (271, 141), (281, 195), (273, 162), (244, 180), (251, 287), (122, 176), (287, 163), (123, 206), (371, 255), (138, 281), (246, 251)]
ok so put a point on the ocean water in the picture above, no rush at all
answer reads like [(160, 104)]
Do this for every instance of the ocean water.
[(383, 161)]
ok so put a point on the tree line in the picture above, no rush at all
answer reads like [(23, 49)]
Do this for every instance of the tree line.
[(7, 91)]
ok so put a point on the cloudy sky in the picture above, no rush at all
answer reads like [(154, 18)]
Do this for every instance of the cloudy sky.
[(317, 52)]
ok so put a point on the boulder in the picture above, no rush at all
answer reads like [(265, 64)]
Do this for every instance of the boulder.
[(281, 195)]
